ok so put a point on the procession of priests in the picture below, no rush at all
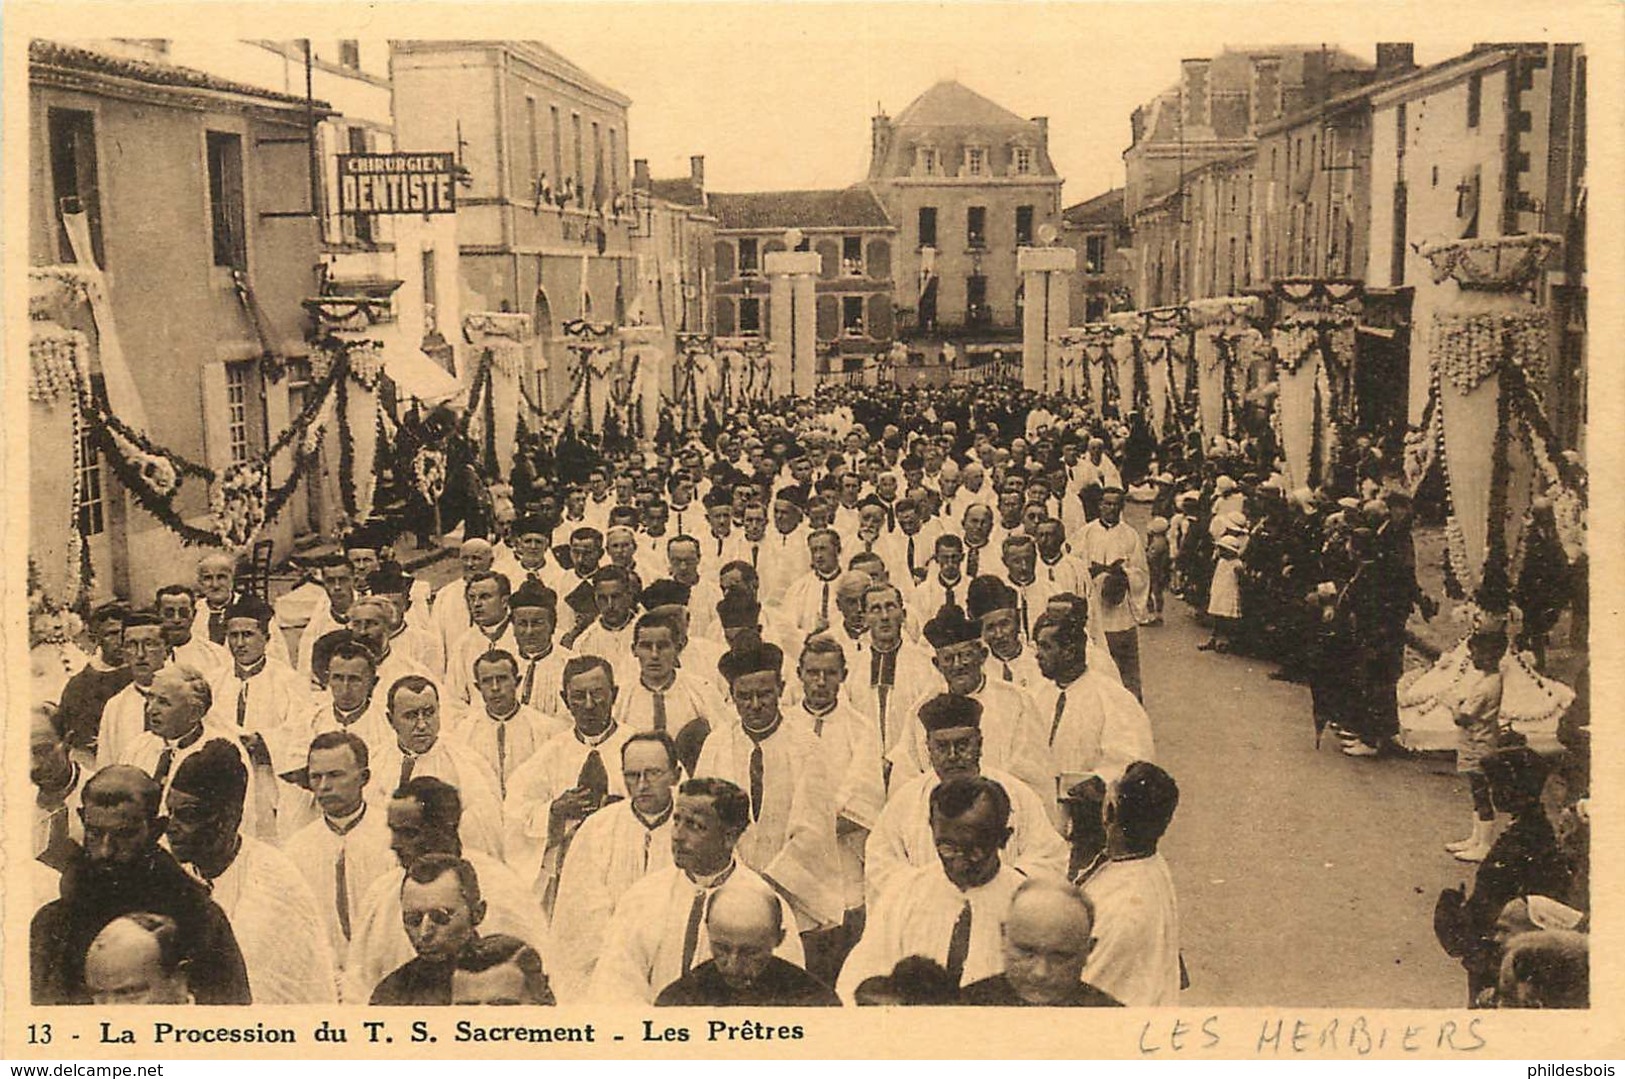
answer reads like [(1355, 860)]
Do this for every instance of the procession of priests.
[(841, 706)]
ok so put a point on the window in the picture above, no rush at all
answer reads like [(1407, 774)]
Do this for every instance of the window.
[(749, 259), (430, 293), (928, 305), (359, 228), (1024, 225), (976, 309), (558, 147), (237, 411), (92, 502), (597, 163), (975, 161), (852, 316), (73, 177), (928, 226), (750, 315), (580, 172), (226, 213), (1094, 254), (1023, 160), (1475, 99), (976, 226), (350, 55), (927, 161), (614, 165), (535, 138), (852, 256)]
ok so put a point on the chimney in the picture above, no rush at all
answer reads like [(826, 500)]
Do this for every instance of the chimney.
[(1266, 96), (1193, 86), (1394, 58), (696, 170), (640, 174), (1042, 123), (879, 141)]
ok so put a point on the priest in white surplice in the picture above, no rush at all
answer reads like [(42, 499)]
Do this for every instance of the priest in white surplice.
[(852, 756), (612, 850), (658, 932), (567, 779), (1136, 953), (420, 748), (123, 722), (1096, 727), (809, 601), (272, 912), (534, 610), (177, 609), (682, 701), (784, 771), (1113, 553), (952, 911), (902, 837), (1012, 733), (425, 820), (347, 848), (887, 679), (487, 595), (503, 732)]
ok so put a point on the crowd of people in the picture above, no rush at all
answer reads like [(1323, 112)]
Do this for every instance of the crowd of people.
[(840, 703)]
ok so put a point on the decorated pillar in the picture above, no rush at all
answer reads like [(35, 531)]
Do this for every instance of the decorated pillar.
[(502, 373), (793, 321), (1313, 342), (1490, 346), (1046, 276), (1224, 339)]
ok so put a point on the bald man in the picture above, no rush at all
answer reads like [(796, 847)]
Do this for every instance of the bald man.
[(745, 923), (1047, 937), (137, 959), (448, 610), (217, 588)]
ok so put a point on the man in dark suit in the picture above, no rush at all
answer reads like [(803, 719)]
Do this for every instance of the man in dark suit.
[(745, 924), (120, 871)]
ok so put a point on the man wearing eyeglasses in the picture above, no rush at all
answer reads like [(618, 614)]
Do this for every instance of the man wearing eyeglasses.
[(903, 835), (1013, 735), (613, 850), (949, 911), (441, 909)]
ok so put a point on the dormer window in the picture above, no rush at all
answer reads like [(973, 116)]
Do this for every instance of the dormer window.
[(925, 160), (975, 161), (1022, 161)]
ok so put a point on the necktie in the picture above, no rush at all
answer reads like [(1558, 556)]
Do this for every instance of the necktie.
[(242, 702), (823, 605), (948, 591), (883, 692), (959, 945), (1025, 630), (408, 762), (756, 776), (755, 549), (973, 561), (502, 757), (911, 554), (166, 760), (530, 682), (660, 709), (719, 546), (217, 626), (341, 892), (593, 775), (691, 935), (1007, 675), (1060, 710)]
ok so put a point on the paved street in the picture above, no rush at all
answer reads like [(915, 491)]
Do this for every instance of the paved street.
[(1305, 878)]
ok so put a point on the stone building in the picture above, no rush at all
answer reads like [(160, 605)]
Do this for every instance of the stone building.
[(966, 182), (1097, 231)]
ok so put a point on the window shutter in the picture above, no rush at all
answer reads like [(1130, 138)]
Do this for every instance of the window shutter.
[(880, 316), (829, 318), (216, 429), (879, 261)]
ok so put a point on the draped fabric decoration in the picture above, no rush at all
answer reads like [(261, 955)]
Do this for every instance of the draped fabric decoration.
[(1068, 363), (646, 368), (1117, 391), (1313, 343), (1096, 350), (358, 413), (1154, 357), (1165, 343), (696, 376), (59, 360), (587, 402), (122, 395), (506, 338), (1489, 343)]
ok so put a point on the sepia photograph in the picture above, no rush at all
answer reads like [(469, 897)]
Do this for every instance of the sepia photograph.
[(797, 514)]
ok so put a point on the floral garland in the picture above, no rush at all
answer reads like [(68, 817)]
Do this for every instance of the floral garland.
[(1495, 584), (305, 457), (53, 370), (341, 413), (50, 620), (1470, 348), (238, 502)]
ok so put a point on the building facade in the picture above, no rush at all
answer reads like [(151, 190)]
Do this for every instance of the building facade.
[(197, 191), (854, 239), (1098, 232), (967, 183), (544, 222), (1490, 143)]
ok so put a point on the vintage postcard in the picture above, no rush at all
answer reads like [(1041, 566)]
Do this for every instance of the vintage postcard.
[(763, 529)]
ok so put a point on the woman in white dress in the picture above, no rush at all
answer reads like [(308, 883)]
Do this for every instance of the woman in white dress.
[(1224, 596)]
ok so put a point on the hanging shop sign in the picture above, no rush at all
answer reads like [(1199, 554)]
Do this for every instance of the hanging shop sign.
[(397, 183)]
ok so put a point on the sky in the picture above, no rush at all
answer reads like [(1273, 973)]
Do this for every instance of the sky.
[(780, 95)]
